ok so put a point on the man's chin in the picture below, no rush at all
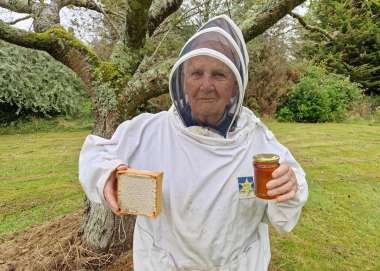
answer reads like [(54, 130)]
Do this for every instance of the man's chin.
[(211, 118)]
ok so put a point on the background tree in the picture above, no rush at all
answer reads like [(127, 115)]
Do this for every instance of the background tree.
[(271, 74), (118, 86), (34, 84), (351, 43)]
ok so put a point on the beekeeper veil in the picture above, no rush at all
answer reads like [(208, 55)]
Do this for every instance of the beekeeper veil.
[(210, 76)]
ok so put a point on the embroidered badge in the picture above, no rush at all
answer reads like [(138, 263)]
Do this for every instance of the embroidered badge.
[(246, 187)]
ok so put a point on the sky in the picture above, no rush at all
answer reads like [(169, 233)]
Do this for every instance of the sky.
[(68, 15)]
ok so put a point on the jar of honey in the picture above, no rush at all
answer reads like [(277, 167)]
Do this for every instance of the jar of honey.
[(264, 164)]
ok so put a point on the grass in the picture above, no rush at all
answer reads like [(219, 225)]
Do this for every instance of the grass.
[(339, 227), (38, 177), (57, 124)]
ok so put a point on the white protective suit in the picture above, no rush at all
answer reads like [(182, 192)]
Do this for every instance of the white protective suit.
[(207, 222)]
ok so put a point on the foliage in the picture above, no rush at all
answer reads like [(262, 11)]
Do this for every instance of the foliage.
[(377, 115), (55, 124), (320, 97), (83, 120), (32, 83), (354, 52), (106, 99), (204, 10), (270, 72)]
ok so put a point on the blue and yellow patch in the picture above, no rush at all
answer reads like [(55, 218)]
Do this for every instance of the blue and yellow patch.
[(246, 187)]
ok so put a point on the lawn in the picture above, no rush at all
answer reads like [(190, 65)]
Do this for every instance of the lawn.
[(339, 228), (38, 178)]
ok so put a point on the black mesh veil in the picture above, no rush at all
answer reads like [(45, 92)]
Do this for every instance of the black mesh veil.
[(207, 82)]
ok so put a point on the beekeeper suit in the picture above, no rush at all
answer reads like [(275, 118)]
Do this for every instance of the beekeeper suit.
[(210, 218)]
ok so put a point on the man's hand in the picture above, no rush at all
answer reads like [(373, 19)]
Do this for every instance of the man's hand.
[(284, 183), (110, 189)]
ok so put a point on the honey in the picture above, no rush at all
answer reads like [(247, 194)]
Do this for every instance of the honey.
[(264, 164)]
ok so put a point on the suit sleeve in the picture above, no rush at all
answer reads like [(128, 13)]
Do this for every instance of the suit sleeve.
[(98, 158)]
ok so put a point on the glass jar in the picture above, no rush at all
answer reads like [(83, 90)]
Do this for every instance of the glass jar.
[(264, 164)]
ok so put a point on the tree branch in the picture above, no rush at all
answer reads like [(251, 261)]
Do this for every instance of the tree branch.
[(92, 5), (59, 43), (144, 86), (174, 24), (159, 11), (88, 4), (136, 23), (19, 20), (311, 28), (108, 19), (258, 24), (20, 6)]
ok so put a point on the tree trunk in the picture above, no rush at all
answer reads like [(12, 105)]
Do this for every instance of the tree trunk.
[(105, 125), (102, 231), (47, 16)]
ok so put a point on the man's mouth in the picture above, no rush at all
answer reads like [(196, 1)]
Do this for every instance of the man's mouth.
[(207, 100)]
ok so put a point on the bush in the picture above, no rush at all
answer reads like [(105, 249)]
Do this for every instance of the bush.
[(34, 84), (320, 97), (270, 73)]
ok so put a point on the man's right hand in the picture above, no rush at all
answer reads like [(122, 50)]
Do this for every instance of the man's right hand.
[(110, 189)]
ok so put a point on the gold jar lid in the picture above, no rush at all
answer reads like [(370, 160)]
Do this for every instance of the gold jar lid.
[(266, 158)]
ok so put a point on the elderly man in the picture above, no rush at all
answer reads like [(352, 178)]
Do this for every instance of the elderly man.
[(204, 144)]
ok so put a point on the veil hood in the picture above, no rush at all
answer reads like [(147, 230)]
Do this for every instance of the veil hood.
[(219, 38)]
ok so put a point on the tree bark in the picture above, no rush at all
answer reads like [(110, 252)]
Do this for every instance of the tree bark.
[(258, 24), (88, 4), (159, 11), (310, 27), (103, 231), (46, 16), (137, 23), (21, 6)]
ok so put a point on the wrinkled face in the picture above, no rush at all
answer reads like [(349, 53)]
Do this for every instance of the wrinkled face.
[(209, 86)]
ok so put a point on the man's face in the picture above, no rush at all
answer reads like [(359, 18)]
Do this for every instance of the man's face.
[(209, 85)]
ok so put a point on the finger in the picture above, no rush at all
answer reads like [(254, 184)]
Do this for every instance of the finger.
[(278, 181), (281, 170), (122, 167), (110, 196), (110, 193), (112, 202), (286, 196), (283, 189)]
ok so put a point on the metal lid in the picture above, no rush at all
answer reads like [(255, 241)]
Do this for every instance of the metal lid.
[(266, 158)]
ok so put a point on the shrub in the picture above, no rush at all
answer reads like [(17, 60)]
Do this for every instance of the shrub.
[(320, 97), (270, 73), (32, 83)]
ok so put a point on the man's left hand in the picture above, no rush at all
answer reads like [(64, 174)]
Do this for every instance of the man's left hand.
[(284, 183)]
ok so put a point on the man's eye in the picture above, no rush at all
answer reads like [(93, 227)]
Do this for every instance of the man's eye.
[(196, 74), (219, 75)]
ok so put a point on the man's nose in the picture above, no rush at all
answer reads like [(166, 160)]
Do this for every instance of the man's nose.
[(207, 83)]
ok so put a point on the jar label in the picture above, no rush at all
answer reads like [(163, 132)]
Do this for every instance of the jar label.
[(246, 187)]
